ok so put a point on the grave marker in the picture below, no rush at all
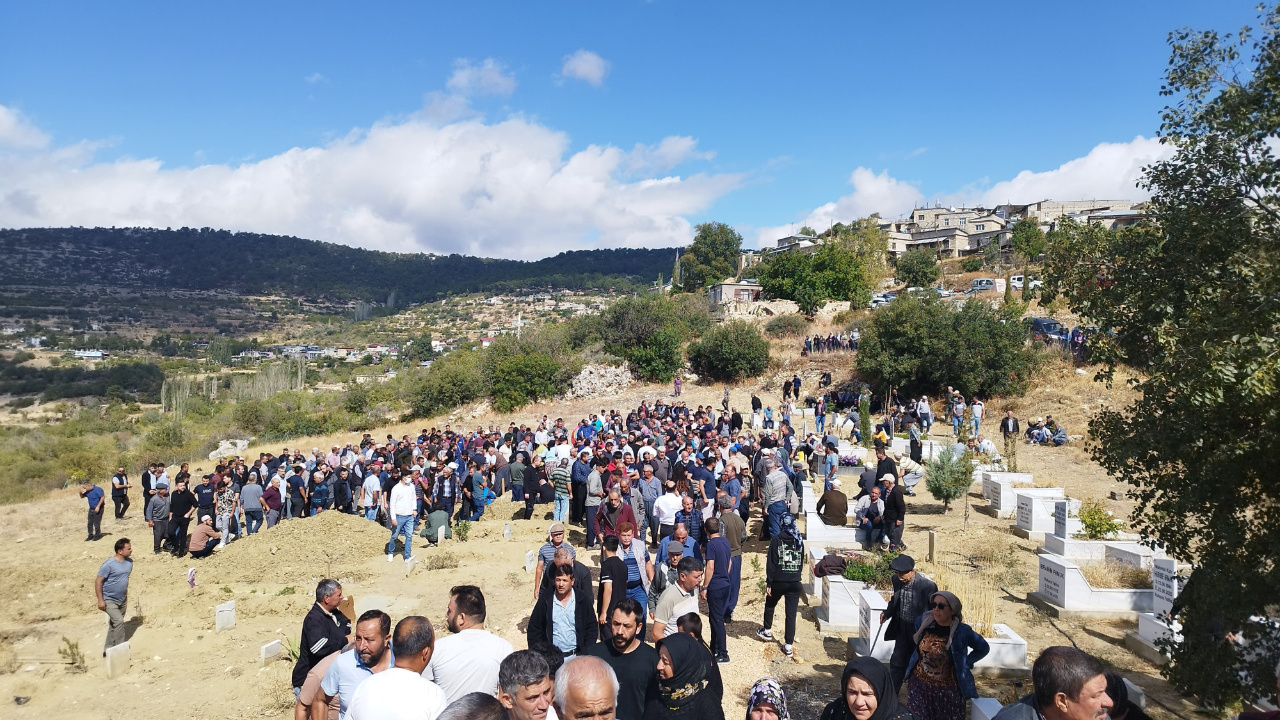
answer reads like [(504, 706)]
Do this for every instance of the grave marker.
[(269, 651), (347, 606), (440, 531), (117, 660), (1164, 581), (225, 616), (531, 560)]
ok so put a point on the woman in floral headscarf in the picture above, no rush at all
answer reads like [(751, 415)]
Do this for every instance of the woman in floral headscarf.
[(766, 701), (687, 687), (940, 673)]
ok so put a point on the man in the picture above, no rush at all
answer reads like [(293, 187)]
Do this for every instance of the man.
[(635, 557), (97, 501), (437, 519), (120, 492), (613, 513), (157, 514), (665, 575), (895, 512), (679, 541), (581, 573), (370, 654), (1069, 685), (910, 473), (311, 691), (912, 593), (868, 514), (562, 617), (613, 583), (833, 506), (468, 660), (560, 481), (885, 464), (403, 509), (555, 541), (206, 495), (586, 688), (977, 409), (401, 693), (691, 518), (778, 493), (251, 501), (182, 507), (370, 493), (677, 600), (665, 509), (830, 463), (112, 588), (715, 591), (325, 630), (272, 502), (204, 539), (633, 661), (525, 688), (735, 531)]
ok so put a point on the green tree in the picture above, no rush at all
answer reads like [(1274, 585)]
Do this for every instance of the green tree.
[(1029, 242), (917, 268), (451, 381), (948, 477), (417, 349), (711, 258), (834, 272), (869, 243), (806, 230), (730, 352), (1193, 299)]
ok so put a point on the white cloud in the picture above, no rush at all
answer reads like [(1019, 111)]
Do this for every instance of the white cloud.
[(315, 78), (17, 132), (872, 193), (917, 152), (503, 189), (488, 78), (586, 66), (669, 153)]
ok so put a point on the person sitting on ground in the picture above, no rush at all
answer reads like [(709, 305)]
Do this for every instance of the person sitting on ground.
[(204, 539), (833, 506), (436, 519), (1069, 685), (868, 514)]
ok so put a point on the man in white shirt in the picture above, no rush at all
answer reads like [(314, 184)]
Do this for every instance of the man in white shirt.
[(370, 490), (403, 508), (467, 661), (665, 509), (401, 693), (677, 600)]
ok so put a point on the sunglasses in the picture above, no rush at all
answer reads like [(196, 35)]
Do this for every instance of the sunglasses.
[(941, 606)]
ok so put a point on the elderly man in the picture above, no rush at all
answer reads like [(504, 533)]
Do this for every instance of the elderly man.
[(564, 556), (1069, 685), (895, 512), (555, 541), (910, 472), (157, 514), (912, 593), (586, 687), (665, 574), (524, 685), (678, 599), (325, 630), (833, 506), (401, 693), (613, 512), (777, 497), (868, 514)]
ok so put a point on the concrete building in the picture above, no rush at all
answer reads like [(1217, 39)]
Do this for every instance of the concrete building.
[(742, 290)]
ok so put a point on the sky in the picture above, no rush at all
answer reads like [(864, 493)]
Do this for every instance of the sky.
[(523, 129)]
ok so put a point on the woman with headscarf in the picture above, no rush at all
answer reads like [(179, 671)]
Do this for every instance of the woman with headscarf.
[(687, 687), (941, 668), (783, 565), (866, 693), (766, 701)]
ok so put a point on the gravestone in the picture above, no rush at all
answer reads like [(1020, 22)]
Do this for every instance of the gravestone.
[(871, 640), (984, 708), (1164, 583), (1066, 518), (225, 616), (1157, 625), (270, 651), (347, 606), (440, 531), (1035, 516), (531, 560), (117, 660)]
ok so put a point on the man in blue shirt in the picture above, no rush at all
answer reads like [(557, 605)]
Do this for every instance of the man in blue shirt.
[(97, 502), (680, 536), (715, 588), (691, 517), (371, 653)]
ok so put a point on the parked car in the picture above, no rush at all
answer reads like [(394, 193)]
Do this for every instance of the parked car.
[(980, 284), (1016, 282), (1047, 330)]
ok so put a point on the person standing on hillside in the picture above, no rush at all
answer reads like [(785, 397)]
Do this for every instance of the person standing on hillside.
[(735, 531), (912, 593), (251, 502), (560, 479), (783, 565), (403, 509), (182, 507), (157, 513), (895, 512), (325, 631), (120, 492), (715, 588), (97, 502), (112, 589)]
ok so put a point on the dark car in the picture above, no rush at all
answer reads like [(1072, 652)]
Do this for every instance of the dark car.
[(1047, 330)]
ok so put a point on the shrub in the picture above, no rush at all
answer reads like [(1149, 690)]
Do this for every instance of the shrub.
[(658, 358), (973, 263), (844, 317), (167, 436), (648, 331), (921, 345), (730, 352), (948, 477), (787, 325), (917, 268), (250, 416), (1098, 522), (451, 381), (872, 569), (521, 378)]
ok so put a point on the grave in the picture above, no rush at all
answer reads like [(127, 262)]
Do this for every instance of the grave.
[(841, 604), (1008, 655), (270, 651), (1063, 542), (1034, 516), (1063, 592), (999, 489), (224, 616), (1157, 625), (117, 660), (870, 640), (530, 560), (832, 536), (984, 708), (1004, 501), (813, 588)]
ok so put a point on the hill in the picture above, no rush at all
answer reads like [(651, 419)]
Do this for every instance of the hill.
[(206, 260)]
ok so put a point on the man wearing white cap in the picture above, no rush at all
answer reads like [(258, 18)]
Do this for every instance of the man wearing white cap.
[(204, 538), (555, 541), (910, 471)]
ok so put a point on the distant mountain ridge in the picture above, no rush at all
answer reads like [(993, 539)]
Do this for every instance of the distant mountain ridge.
[(254, 263)]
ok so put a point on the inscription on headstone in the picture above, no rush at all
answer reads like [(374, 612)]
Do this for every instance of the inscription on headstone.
[(1053, 581), (1164, 583), (1059, 519)]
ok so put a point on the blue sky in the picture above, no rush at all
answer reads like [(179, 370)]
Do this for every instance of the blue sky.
[(768, 109)]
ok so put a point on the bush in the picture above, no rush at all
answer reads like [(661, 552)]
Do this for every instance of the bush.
[(250, 416), (520, 378), (787, 325), (659, 358), (872, 569), (973, 263), (451, 381), (730, 352), (844, 317), (948, 477), (648, 331), (1098, 523), (917, 268), (921, 345)]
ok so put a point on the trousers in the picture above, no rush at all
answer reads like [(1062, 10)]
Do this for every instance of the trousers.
[(778, 591), (122, 505), (717, 600), (95, 522), (159, 533), (115, 623)]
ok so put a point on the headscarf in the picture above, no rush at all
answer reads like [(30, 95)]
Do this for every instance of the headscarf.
[(767, 690), (790, 535), (957, 616), (875, 673), (691, 691)]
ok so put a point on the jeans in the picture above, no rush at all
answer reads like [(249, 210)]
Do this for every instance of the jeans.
[(955, 425), (178, 530), (207, 551), (773, 518), (717, 602), (778, 591), (95, 522), (735, 585), (926, 422), (562, 507), (371, 513), (115, 622), (404, 526), (223, 523), (122, 505), (517, 493), (977, 423), (874, 532), (477, 510), (591, 526), (821, 421), (252, 521)]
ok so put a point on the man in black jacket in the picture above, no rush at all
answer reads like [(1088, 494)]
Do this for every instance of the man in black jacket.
[(1009, 428), (912, 593), (550, 619), (895, 512), (325, 630), (885, 464), (582, 582)]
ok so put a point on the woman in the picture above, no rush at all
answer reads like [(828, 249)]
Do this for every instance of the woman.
[(867, 693), (941, 668), (783, 566), (766, 701), (225, 500), (687, 687)]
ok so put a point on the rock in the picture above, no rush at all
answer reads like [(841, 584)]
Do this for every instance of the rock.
[(229, 448), (1081, 371), (597, 380)]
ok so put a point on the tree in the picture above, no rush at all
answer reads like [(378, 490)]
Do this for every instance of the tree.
[(712, 257), (917, 268), (730, 352), (948, 477), (834, 272), (649, 331), (1029, 242), (869, 244), (1193, 299), (806, 230)]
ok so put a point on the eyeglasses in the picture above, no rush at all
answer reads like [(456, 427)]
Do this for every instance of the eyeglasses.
[(941, 606)]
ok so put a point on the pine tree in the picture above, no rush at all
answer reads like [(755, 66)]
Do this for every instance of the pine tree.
[(948, 477)]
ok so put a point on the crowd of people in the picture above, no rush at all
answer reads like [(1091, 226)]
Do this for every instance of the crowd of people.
[(831, 342)]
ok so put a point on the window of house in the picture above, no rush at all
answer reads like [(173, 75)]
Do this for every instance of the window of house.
[(979, 227), (963, 222), (947, 222)]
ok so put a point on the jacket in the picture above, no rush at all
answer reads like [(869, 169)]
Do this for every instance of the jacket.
[(922, 588), (605, 528), (1009, 426), (895, 507), (967, 648), (585, 626), (1024, 709)]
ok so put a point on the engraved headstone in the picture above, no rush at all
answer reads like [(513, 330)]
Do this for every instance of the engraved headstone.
[(1164, 581)]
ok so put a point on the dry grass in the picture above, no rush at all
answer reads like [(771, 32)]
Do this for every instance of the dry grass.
[(1111, 574)]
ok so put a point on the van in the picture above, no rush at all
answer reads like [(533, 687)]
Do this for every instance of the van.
[(980, 284)]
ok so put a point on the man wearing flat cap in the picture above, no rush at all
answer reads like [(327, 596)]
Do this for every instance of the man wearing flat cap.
[(911, 595)]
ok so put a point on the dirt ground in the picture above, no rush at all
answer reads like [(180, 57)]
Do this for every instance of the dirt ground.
[(179, 661)]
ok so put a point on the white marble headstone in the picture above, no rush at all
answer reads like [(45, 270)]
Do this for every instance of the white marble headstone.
[(1164, 581), (270, 651), (117, 660), (225, 616)]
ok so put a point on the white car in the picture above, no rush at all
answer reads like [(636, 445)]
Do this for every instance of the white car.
[(1016, 282)]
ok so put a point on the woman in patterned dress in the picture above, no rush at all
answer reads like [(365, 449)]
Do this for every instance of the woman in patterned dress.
[(941, 669)]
